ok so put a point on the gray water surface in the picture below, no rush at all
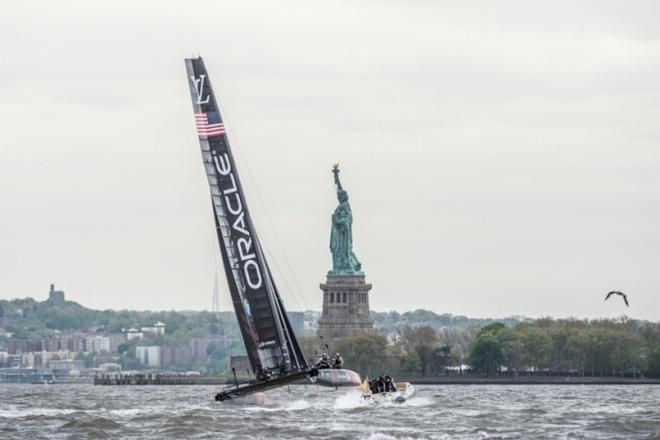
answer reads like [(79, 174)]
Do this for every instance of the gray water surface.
[(436, 412)]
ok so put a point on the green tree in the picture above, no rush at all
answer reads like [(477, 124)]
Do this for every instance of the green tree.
[(653, 366), (495, 328), (537, 346), (513, 350), (364, 354), (486, 355), (441, 358), (420, 339)]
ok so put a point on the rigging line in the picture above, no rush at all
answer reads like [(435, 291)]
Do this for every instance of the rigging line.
[(272, 226), (268, 217), (286, 283), (277, 237)]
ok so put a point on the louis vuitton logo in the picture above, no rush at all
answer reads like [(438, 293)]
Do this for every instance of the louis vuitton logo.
[(199, 88)]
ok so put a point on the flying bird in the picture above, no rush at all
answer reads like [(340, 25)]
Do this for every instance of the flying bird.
[(616, 292)]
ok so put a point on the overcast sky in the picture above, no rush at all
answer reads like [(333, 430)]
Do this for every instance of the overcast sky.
[(502, 158)]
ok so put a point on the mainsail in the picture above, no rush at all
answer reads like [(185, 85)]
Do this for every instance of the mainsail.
[(272, 348)]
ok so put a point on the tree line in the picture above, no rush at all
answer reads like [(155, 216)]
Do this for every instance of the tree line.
[(620, 347)]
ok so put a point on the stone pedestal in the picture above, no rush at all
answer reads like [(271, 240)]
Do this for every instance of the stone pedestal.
[(345, 307)]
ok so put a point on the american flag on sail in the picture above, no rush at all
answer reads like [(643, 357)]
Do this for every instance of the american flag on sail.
[(209, 124)]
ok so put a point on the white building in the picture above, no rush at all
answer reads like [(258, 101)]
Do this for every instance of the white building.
[(149, 355), (110, 367), (66, 364), (156, 329), (97, 343), (133, 333), (46, 357), (27, 360)]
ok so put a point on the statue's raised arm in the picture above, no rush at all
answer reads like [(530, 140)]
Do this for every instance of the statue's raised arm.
[(335, 171)]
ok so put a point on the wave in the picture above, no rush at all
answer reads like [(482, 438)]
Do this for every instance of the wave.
[(95, 423)]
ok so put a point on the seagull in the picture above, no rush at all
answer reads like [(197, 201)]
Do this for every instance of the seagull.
[(616, 292)]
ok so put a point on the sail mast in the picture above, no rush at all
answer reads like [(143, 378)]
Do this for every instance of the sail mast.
[(271, 345)]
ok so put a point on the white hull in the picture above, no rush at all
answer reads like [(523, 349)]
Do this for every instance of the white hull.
[(404, 392)]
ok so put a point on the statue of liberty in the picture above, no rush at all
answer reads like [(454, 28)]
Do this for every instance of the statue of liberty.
[(344, 261)]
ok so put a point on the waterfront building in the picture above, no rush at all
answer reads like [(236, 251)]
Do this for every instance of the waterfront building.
[(27, 360), (97, 344), (109, 367), (198, 346), (149, 356), (104, 359), (175, 356), (115, 339), (66, 364)]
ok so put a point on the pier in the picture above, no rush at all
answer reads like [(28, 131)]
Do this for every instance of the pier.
[(159, 379)]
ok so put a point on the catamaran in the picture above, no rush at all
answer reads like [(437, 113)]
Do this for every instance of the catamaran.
[(272, 349)]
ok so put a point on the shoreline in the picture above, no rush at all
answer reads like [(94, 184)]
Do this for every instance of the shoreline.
[(441, 380), (530, 380)]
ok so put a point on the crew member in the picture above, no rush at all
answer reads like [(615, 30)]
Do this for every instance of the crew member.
[(323, 362), (338, 362), (381, 384), (389, 384), (373, 386)]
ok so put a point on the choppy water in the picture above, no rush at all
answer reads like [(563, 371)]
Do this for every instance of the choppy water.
[(436, 412)]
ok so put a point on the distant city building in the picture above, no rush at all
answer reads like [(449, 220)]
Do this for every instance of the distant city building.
[(109, 367), (175, 356), (149, 356), (297, 320), (198, 346), (115, 340), (97, 344), (28, 360), (66, 364), (132, 333), (55, 296), (44, 358), (75, 342), (104, 359), (156, 329)]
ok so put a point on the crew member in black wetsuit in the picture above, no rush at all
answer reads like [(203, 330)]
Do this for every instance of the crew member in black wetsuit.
[(373, 386), (389, 384), (381, 384), (338, 362), (323, 362)]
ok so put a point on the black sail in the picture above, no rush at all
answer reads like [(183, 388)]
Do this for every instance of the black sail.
[(271, 345)]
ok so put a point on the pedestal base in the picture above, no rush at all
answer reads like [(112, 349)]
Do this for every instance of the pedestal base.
[(345, 307)]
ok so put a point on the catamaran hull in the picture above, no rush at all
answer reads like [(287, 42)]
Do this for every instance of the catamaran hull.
[(340, 377)]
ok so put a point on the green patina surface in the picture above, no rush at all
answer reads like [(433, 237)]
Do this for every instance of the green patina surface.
[(344, 261)]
